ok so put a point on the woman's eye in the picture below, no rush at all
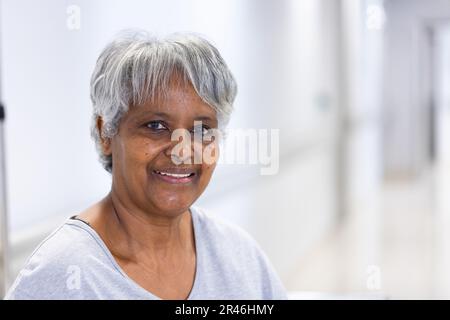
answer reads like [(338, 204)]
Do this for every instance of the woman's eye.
[(203, 130), (156, 125)]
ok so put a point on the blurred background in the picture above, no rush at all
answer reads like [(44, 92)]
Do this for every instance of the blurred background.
[(359, 89)]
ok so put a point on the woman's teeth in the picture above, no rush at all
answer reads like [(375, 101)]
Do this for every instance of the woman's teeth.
[(175, 175)]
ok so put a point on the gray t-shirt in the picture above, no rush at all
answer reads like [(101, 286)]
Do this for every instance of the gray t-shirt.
[(74, 263)]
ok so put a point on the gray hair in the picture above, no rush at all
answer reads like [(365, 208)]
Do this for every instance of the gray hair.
[(136, 67)]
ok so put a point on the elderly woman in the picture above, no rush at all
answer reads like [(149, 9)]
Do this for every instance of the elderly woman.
[(145, 239)]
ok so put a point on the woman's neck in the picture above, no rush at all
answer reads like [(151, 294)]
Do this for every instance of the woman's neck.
[(150, 231), (132, 234)]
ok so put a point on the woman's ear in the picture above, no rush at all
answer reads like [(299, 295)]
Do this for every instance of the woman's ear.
[(105, 142)]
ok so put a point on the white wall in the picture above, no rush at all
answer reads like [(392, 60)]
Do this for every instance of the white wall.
[(442, 173), (406, 133), (363, 30)]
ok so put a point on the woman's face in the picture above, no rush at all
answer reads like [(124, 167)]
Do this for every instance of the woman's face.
[(144, 172)]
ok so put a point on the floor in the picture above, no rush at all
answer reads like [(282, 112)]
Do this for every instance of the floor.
[(399, 249)]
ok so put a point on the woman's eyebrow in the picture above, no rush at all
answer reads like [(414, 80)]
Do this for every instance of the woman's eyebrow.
[(148, 113), (160, 114), (204, 118), (168, 116)]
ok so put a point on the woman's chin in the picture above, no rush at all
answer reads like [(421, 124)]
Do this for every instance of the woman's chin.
[(172, 206)]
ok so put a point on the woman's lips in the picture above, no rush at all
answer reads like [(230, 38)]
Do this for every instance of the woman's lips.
[(175, 177)]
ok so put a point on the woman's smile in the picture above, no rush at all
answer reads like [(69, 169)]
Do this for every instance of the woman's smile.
[(176, 175)]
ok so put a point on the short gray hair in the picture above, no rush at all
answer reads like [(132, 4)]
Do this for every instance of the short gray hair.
[(136, 67)]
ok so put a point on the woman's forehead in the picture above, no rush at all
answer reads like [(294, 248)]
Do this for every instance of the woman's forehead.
[(178, 101)]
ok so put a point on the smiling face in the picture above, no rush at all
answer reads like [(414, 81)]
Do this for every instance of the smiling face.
[(144, 173)]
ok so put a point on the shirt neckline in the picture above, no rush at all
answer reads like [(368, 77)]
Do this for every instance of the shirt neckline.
[(198, 261)]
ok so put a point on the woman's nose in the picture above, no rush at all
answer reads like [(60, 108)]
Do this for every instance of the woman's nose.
[(180, 149)]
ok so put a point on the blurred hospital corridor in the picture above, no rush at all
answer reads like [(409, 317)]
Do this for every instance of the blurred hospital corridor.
[(407, 241), (354, 96)]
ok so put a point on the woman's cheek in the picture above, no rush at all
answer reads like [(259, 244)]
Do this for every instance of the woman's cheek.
[(208, 170), (211, 154)]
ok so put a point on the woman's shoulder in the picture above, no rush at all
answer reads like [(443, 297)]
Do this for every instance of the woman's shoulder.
[(69, 250), (227, 237), (72, 241), (233, 251), (215, 227)]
